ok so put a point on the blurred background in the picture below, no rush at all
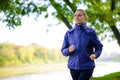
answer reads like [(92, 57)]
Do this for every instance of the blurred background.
[(32, 31)]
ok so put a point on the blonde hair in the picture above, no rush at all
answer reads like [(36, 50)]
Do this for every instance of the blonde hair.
[(84, 13)]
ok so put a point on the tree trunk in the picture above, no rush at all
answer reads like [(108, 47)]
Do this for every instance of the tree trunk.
[(66, 21), (116, 33)]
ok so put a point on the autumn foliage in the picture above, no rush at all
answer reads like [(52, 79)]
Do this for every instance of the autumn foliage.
[(11, 54)]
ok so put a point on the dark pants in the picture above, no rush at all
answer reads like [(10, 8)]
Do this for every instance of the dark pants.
[(81, 74)]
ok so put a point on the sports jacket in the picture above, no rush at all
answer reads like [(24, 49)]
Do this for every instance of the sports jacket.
[(86, 42)]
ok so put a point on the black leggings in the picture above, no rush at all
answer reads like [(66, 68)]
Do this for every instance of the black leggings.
[(81, 74)]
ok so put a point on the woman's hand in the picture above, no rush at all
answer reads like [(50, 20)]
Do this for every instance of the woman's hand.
[(71, 48), (92, 56)]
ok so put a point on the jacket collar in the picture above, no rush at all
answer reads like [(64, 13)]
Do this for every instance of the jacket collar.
[(80, 26)]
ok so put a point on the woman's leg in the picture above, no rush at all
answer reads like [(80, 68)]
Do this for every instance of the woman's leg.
[(75, 74), (86, 74)]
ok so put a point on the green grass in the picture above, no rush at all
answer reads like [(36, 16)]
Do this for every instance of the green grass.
[(112, 76)]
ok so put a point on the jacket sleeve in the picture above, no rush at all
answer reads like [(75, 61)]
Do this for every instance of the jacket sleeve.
[(96, 43), (65, 46)]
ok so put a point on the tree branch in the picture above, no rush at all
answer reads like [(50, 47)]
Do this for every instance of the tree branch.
[(113, 3), (72, 6), (116, 33), (61, 16)]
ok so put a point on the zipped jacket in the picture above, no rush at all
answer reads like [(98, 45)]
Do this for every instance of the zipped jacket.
[(86, 43)]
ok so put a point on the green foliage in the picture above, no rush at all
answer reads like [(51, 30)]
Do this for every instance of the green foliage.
[(3, 61), (14, 9), (112, 76), (5, 4)]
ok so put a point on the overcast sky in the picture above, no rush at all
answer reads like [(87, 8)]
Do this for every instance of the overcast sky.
[(33, 31)]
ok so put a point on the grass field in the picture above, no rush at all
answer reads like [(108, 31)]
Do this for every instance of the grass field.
[(112, 76)]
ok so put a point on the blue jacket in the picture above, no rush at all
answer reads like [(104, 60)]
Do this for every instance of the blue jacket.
[(86, 42)]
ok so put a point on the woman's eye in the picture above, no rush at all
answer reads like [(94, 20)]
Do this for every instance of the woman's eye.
[(79, 15)]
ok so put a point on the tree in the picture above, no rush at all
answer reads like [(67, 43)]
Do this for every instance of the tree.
[(106, 15), (103, 14)]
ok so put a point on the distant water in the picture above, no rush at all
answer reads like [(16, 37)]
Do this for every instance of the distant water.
[(56, 75), (101, 69), (104, 68)]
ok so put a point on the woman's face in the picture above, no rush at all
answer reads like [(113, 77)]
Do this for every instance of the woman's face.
[(79, 17)]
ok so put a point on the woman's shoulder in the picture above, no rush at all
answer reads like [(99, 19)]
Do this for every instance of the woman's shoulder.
[(70, 30), (89, 30)]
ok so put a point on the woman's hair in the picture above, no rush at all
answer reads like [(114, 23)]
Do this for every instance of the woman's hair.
[(84, 13)]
